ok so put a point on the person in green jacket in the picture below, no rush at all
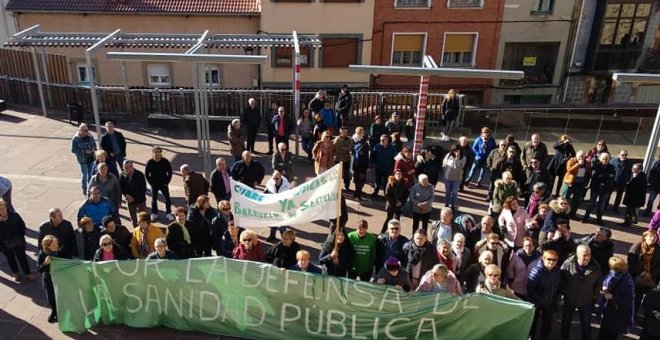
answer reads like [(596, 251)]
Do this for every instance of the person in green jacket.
[(365, 252)]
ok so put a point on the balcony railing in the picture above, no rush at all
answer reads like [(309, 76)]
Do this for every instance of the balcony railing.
[(411, 3), (465, 3)]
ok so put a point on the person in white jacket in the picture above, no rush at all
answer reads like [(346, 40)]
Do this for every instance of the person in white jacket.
[(276, 184)]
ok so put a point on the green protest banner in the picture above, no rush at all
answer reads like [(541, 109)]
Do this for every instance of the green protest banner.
[(252, 300)]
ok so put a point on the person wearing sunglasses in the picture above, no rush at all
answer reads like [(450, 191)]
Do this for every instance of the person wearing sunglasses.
[(250, 248), (492, 283), (543, 284), (109, 250)]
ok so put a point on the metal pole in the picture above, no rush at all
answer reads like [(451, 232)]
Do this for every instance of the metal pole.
[(421, 114), (639, 126), (599, 127), (653, 142), (40, 85), (95, 98), (124, 78), (296, 86), (44, 65), (195, 75)]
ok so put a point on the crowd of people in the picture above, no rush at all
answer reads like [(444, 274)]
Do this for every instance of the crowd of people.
[(521, 248)]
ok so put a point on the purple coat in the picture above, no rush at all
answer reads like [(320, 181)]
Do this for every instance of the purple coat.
[(655, 223), (518, 272)]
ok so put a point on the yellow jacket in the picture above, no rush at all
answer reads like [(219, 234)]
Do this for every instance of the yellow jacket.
[(152, 234)]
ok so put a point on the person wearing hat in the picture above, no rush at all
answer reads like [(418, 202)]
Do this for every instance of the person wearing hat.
[(344, 104), (394, 124), (393, 275)]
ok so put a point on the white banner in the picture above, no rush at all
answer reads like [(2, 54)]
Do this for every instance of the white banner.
[(313, 200)]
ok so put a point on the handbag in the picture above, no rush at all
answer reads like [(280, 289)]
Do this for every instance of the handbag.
[(406, 210)]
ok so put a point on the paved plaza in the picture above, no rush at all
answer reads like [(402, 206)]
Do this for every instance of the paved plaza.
[(34, 154)]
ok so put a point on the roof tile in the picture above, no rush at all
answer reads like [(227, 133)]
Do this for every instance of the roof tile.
[(245, 7)]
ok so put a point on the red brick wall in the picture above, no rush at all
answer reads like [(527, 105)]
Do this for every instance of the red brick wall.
[(435, 21)]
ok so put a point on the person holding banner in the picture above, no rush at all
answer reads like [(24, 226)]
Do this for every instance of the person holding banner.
[(283, 162), (248, 171), (276, 184), (392, 274), (162, 253), (391, 244), (421, 256), (230, 240), (323, 152), (492, 283), (303, 264), (343, 145), (337, 254), (250, 248), (50, 246), (365, 252), (283, 254), (144, 237), (200, 216), (219, 226)]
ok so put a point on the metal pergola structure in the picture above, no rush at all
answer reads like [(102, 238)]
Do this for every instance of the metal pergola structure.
[(194, 44), (646, 78), (430, 68)]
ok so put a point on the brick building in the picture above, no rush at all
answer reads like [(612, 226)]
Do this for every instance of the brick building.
[(456, 33)]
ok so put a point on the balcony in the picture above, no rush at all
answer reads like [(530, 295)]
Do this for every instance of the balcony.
[(651, 61)]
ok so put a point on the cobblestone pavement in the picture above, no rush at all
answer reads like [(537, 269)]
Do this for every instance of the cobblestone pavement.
[(34, 154)]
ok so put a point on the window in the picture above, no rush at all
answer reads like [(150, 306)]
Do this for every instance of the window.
[(158, 74), (283, 56), (341, 0), (459, 50), (412, 3), (543, 7), (621, 36), (213, 76), (81, 69), (465, 3), (407, 49), (537, 60), (339, 52), (528, 99)]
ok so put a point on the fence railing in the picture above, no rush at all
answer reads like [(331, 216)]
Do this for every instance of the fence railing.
[(633, 123), (222, 102)]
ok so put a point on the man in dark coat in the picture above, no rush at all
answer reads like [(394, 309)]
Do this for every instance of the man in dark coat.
[(250, 119), (282, 127), (390, 244), (114, 143), (63, 230), (194, 184), (220, 186), (622, 173), (581, 280), (248, 171), (535, 173), (635, 194), (654, 186), (134, 188), (543, 283), (344, 104)]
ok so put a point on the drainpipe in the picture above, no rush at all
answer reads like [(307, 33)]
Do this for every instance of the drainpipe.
[(575, 41)]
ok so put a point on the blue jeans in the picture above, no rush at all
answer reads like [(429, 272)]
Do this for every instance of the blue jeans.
[(307, 145), (478, 165), (602, 197), (85, 175), (451, 192), (585, 321), (649, 204)]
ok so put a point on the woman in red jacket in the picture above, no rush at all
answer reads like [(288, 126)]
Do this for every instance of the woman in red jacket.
[(403, 161), (250, 248)]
